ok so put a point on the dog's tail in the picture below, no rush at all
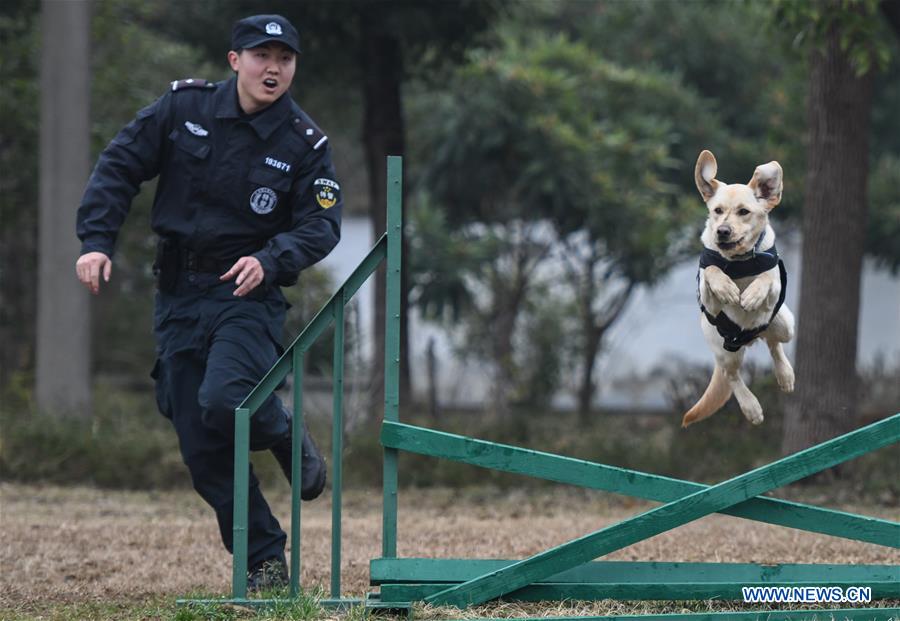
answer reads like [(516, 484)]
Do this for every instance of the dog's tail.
[(714, 397)]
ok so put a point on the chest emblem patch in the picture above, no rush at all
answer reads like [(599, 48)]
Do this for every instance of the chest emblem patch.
[(328, 192), (196, 129), (263, 200)]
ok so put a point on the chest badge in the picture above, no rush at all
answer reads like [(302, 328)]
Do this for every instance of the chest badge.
[(327, 192), (263, 200), (196, 129)]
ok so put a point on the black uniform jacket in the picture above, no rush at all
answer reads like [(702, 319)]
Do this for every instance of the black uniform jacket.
[(230, 185)]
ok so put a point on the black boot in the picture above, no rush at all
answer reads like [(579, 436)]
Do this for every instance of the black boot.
[(314, 467), (266, 575)]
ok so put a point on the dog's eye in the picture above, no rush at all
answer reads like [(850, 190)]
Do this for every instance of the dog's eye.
[(718, 210), (743, 212)]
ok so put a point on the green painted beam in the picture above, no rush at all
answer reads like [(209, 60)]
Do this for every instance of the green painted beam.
[(425, 570), (343, 603), (393, 291), (676, 513), (337, 445), (840, 614), (595, 591), (296, 469), (630, 482), (241, 501), (314, 328)]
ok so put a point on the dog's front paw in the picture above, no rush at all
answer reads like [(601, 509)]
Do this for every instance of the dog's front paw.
[(755, 294), (724, 289)]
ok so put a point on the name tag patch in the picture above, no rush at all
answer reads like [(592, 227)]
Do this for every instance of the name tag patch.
[(282, 166)]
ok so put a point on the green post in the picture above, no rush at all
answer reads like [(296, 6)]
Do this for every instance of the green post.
[(241, 502), (296, 468), (392, 348), (337, 444)]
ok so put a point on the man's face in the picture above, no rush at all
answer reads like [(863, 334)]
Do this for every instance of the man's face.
[(264, 74)]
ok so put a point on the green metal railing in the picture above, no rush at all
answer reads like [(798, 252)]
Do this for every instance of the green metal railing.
[(388, 247)]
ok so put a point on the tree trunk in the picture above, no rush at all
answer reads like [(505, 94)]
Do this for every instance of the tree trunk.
[(383, 135), (592, 338), (504, 320), (834, 223), (432, 369), (63, 379)]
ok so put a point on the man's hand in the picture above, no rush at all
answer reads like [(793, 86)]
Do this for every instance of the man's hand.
[(249, 274), (88, 269)]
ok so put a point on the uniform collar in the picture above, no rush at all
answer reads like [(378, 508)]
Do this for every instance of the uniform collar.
[(264, 123)]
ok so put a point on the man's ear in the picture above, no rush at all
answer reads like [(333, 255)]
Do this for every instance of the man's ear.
[(233, 60), (767, 183), (705, 175)]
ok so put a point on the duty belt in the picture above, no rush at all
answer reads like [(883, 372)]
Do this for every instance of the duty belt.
[(193, 262)]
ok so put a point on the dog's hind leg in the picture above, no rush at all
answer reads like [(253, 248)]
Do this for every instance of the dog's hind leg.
[(731, 366), (780, 331)]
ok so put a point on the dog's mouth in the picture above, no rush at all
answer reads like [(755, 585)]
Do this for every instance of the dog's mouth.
[(730, 245)]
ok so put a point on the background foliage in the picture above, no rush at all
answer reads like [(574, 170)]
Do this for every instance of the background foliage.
[(533, 147)]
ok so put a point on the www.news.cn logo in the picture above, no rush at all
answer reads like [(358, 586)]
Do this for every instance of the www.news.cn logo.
[(807, 595)]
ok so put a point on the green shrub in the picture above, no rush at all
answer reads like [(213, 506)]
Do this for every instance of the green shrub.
[(129, 445)]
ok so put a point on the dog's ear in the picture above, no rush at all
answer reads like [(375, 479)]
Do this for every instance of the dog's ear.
[(705, 175), (767, 183)]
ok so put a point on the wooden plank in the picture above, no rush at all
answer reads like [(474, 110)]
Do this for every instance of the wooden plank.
[(594, 591), (631, 482), (425, 570), (676, 513)]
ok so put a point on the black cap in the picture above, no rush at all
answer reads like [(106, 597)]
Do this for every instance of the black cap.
[(258, 30)]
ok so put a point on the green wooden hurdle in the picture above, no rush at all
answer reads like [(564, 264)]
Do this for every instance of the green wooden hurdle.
[(567, 571), (680, 511)]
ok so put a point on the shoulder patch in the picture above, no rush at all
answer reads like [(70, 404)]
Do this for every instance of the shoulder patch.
[(311, 134), (178, 85)]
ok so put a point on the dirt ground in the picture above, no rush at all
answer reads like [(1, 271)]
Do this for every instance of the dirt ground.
[(79, 544)]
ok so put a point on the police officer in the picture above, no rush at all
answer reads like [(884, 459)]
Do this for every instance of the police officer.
[(246, 199)]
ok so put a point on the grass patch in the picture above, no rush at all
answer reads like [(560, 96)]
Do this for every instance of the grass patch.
[(306, 607)]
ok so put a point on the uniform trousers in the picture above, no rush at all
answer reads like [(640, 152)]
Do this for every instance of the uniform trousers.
[(212, 349)]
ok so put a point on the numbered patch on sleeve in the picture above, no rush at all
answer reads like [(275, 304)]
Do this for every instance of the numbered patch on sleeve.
[(327, 192)]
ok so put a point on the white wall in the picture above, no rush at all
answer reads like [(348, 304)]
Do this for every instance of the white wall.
[(643, 337)]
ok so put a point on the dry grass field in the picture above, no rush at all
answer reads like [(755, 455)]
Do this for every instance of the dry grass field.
[(88, 553)]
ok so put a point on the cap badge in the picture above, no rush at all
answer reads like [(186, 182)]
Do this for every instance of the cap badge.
[(273, 28)]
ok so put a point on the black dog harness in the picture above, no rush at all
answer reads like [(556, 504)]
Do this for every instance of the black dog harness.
[(757, 262)]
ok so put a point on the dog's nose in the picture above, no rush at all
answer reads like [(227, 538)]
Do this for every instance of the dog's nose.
[(723, 231)]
